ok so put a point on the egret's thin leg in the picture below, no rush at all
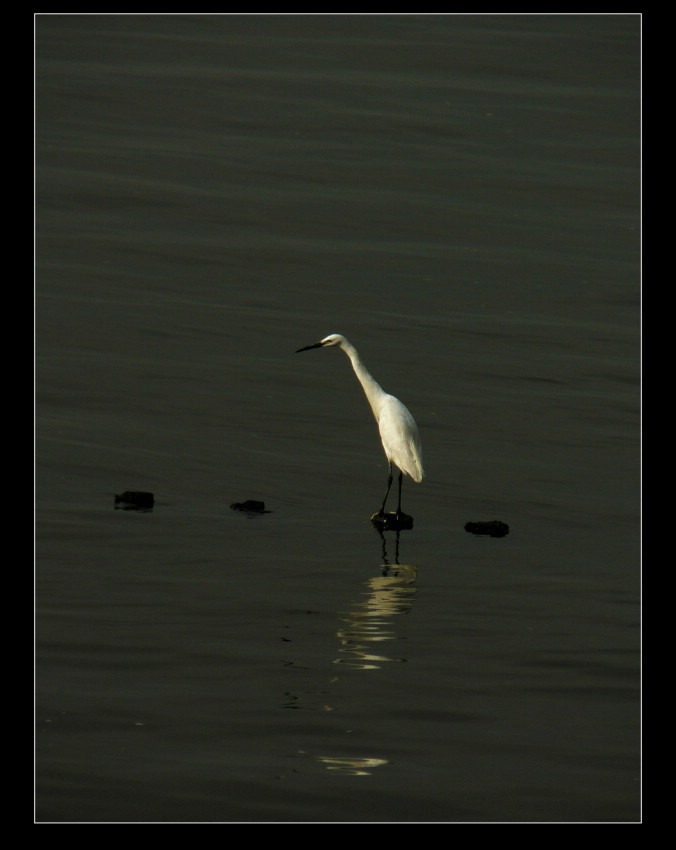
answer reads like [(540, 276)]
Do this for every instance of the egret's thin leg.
[(401, 478), (387, 492)]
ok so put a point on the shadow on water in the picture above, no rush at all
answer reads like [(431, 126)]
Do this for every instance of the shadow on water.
[(368, 639)]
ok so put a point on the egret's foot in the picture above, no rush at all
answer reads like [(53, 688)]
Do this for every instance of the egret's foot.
[(392, 521)]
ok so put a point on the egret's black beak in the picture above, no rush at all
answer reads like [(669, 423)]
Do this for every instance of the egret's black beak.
[(308, 347)]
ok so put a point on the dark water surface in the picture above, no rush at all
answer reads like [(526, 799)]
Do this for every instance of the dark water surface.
[(459, 195)]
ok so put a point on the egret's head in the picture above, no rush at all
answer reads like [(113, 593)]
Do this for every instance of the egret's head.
[(332, 339), (327, 342)]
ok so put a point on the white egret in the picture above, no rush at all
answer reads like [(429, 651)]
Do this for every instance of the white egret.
[(398, 431)]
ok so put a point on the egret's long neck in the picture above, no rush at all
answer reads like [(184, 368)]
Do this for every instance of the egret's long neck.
[(374, 392)]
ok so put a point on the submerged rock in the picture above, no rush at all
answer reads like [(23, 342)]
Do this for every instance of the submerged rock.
[(134, 500), (493, 528), (251, 506), (392, 521)]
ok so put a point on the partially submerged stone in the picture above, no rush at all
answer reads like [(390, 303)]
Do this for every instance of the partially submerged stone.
[(392, 521), (134, 500), (493, 528), (251, 506)]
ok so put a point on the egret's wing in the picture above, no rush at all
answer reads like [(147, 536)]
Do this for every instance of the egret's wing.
[(400, 438)]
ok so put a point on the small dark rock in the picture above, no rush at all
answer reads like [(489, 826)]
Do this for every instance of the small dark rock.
[(494, 528), (251, 506), (134, 500), (392, 521)]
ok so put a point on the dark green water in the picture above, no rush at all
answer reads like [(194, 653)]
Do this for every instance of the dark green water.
[(458, 195)]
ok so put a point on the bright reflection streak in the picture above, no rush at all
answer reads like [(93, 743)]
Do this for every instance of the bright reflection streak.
[(365, 629), (351, 766), (389, 595)]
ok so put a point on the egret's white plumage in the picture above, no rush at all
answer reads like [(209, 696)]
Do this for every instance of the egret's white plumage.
[(398, 430)]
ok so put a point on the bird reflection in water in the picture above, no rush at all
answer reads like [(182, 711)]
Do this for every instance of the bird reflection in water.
[(363, 637), (369, 625)]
